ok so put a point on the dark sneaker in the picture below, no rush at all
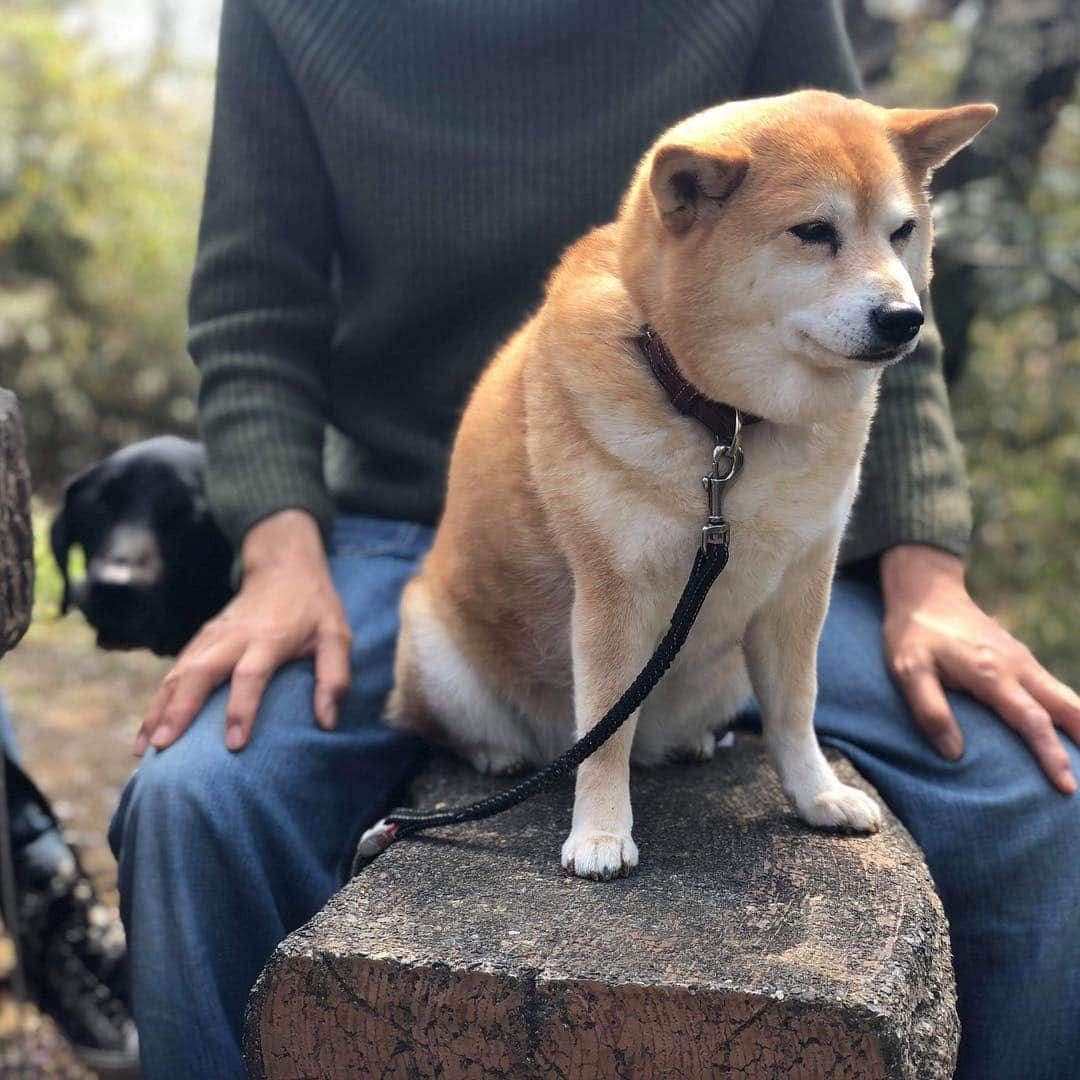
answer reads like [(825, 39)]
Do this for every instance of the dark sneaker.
[(74, 956)]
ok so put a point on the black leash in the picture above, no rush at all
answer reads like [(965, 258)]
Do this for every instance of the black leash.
[(711, 559), (405, 822)]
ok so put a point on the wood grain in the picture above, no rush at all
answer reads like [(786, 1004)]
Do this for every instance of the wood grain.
[(747, 945)]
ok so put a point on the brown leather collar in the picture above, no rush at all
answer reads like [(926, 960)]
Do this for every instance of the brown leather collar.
[(719, 418)]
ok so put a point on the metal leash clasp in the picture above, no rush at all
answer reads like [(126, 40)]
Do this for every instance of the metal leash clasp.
[(727, 462)]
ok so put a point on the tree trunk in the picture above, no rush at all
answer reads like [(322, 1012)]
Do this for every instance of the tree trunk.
[(16, 534), (1025, 55)]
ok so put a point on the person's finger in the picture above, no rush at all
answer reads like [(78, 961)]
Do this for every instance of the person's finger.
[(331, 673), (1032, 723), (153, 714), (193, 680), (1059, 700), (249, 679), (922, 688), (205, 639)]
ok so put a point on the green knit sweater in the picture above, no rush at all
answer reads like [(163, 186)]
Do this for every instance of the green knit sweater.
[(390, 184)]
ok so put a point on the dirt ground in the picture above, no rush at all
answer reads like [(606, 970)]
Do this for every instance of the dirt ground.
[(75, 711)]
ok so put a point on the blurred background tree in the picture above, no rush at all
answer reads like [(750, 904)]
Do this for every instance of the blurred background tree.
[(101, 164), (1006, 283)]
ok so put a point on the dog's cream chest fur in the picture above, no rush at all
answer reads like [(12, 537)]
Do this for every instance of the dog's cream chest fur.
[(793, 494)]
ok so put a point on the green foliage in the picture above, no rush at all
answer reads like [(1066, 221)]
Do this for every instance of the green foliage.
[(931, 54), (1018, 401), (1017, 410), (48, 584), (100, 174)]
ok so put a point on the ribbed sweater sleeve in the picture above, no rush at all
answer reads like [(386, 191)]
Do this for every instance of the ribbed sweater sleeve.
[(261, 313), (913, 488)]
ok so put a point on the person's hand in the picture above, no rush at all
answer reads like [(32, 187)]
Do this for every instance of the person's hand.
[(936, 636), (286, 608)]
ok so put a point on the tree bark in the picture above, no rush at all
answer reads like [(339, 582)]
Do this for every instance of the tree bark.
[(16, 534), (1024, 57)]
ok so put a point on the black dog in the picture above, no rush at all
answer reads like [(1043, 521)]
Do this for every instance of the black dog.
[(157, 566)]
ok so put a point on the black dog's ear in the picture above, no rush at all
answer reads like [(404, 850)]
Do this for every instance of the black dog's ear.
[(65, 531), (60, 539)]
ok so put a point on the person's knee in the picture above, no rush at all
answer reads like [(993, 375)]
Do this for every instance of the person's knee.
[(1052, 823), (1024, 830), (169, 793), (197, 789)]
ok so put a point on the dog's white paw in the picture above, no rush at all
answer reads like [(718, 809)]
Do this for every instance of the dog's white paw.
[(599, 855), (842, 807)]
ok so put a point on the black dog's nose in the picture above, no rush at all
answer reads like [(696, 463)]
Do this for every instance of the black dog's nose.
[(897, 323)]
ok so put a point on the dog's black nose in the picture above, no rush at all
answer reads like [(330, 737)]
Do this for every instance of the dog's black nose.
[(897, 323)]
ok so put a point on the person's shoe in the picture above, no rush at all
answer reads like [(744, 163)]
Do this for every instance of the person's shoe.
[(74, 955)]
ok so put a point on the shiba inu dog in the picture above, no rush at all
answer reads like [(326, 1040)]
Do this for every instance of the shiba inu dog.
[(778, 248)]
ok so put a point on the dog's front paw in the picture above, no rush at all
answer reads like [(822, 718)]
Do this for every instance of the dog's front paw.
[(843, 807), (599, 855)]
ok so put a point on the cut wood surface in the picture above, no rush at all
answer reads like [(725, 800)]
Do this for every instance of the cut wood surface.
[(746, 944), (16, 534)]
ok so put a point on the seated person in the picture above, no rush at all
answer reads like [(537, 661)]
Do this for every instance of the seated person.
[(387, 189)]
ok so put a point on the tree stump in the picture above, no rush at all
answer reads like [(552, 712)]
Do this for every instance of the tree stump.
[(746, 944), (16, 534)]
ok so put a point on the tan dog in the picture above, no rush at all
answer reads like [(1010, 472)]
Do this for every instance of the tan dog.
[(778, 247)]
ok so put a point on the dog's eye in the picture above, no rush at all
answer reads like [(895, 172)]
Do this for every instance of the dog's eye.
[(903, 232), (817, 232)]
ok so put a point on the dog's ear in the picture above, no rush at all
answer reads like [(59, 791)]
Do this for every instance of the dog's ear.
[(65, 530), (61, 541), (929, 137), (688, 182)]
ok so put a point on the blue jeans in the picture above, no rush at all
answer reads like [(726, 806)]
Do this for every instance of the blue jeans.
[(221, 855)]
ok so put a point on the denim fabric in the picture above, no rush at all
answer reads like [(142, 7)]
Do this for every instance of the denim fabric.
[(221, 855), (1002, 845)]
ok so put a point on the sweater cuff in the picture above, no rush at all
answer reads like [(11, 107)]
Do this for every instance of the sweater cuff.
[(264, 455), (913, 488), (240, 503)]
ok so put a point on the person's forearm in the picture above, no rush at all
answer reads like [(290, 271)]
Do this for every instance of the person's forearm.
[(289, 537), (262, 312), (913, 571), (913, 491)]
